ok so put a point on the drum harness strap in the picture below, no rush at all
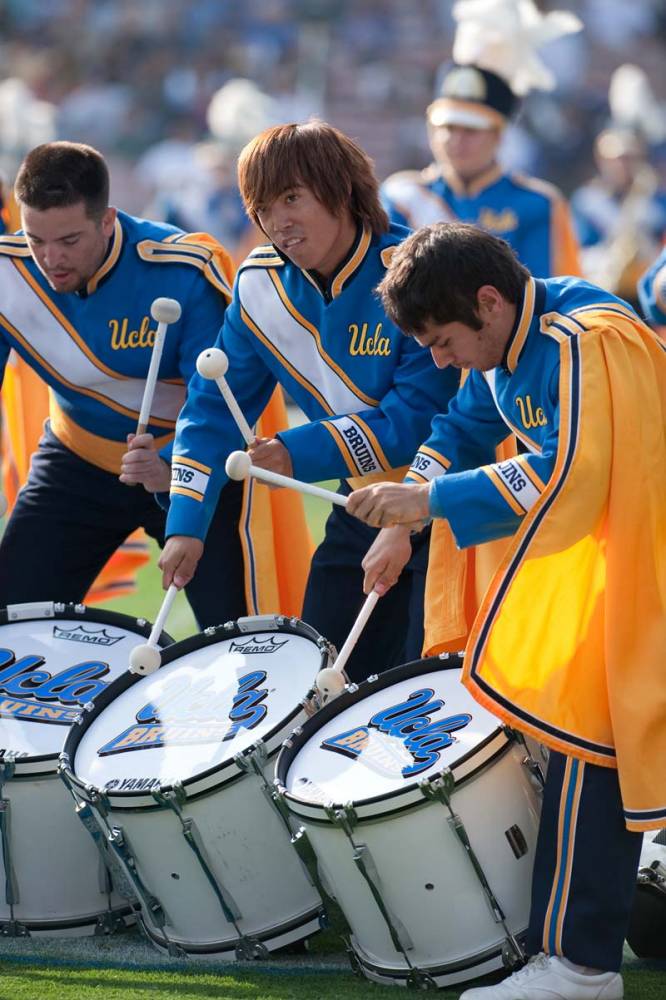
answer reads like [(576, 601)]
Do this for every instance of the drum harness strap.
[(440, 789), (345, 818), (174, 798), (11, 927)]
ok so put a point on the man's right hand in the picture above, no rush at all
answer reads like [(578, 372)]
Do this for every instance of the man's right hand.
[(179, 559), (386, 558)]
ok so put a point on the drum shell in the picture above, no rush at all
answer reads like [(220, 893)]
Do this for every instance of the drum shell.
[(248, 848), (423, 871), (245, 840), (61, 885)]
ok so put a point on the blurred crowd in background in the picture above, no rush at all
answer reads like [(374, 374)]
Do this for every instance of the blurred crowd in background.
[(136, 80)]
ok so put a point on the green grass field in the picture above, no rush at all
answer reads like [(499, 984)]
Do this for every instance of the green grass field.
[(108, 969)]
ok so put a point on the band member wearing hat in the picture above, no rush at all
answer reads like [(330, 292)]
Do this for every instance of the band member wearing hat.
[(652, 292), (479, 93), (568, 644), (305, 315)]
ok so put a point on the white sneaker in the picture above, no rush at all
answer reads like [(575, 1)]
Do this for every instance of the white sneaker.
[(546, 977)]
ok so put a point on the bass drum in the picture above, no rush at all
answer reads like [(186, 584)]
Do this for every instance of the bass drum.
[(54, 659), (422, 810), (177, 770)]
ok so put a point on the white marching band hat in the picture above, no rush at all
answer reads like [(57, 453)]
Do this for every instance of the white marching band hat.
[(496, 61)]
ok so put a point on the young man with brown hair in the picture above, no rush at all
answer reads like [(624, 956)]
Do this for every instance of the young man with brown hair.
[(305, 315)]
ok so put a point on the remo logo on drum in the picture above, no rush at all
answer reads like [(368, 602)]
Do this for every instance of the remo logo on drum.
[(190, 714), (411, 741)]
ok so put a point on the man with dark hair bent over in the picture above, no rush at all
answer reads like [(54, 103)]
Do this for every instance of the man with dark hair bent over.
[(568, 643)]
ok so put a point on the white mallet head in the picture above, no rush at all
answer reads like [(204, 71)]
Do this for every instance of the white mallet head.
[(237, 466), (212, 363), (3, 505), (144, 659), (330, 682), (165, 311)]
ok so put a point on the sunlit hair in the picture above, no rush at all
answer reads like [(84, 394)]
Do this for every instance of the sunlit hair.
[(59, 174), (316, 156), (434, 276)]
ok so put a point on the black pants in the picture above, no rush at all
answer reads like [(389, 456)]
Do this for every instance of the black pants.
[(71, 516), (334, 597), (584, 868)]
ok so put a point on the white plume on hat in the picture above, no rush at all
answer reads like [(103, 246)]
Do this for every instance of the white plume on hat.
[(504, 36), (633, 104), (238, 111)]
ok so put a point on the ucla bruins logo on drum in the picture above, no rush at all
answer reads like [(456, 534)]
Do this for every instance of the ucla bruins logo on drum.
[(409, 721)]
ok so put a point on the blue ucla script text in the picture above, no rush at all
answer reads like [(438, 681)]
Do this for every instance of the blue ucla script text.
[(29, 687), (411, 722), (191, 713)]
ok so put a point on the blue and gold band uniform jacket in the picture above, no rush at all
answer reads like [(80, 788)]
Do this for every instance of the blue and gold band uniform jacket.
[(652, 291), (530, 214), (369, 392), (568, 643), (93, 347)]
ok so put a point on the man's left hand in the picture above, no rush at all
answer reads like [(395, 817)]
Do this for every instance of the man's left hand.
[(385, 504), (141, 463), (271, 454)]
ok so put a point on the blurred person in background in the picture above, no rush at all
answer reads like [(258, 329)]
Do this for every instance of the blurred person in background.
[(495, 63), (620, 214), (193, 184), (652, 293)]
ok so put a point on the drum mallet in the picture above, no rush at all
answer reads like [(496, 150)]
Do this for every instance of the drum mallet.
[(164, 311), (239, 466), (214, 364), (330, 681), (146, 658)]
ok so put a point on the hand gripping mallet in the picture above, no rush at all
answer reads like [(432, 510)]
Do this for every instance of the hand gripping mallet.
[(330, 681), (239, 466), (214, 364), (146, 658), (164, 311)]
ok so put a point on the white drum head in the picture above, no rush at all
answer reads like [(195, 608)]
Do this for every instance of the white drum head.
[(197, 711), (390, 739), (50, 667)]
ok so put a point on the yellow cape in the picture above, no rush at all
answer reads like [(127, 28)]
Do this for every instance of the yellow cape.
[(569, 643)]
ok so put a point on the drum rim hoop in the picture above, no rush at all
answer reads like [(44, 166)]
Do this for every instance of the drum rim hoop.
[(85, 612), (299, 737), (200, 640)]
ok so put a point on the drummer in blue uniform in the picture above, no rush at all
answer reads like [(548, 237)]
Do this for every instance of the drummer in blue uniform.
[(652, 291), (304, 315), (568, 643), (77, 285)]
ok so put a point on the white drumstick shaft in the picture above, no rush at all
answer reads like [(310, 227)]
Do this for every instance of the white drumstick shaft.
[(295, 484), (356, 629), (162, 615), (235, 409), (151, 379)]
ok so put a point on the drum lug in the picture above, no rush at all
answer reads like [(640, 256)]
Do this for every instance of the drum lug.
[(248, 949), (513, 953), (419, 979), (108, 923), (7, 769), (533, 766), (13, 928), (343, 817)]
